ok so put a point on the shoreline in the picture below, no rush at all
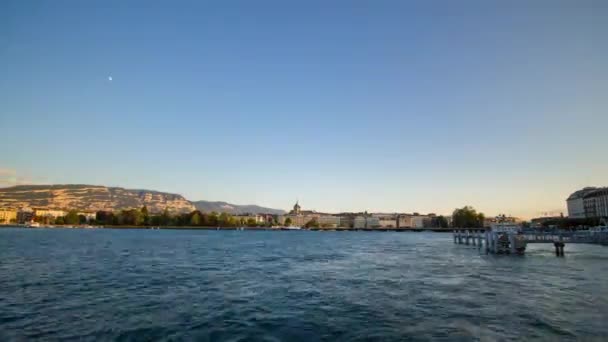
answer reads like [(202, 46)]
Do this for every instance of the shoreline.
[(401, 230)]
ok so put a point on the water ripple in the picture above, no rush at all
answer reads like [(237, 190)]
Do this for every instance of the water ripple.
[(291, 286)]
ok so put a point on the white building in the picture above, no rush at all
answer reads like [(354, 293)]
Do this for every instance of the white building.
[(328, 221), (596, 203), (372, 222), (419, 221), (576, 204), (405, 221), (362, 222), (590, 202), (386, 220), (359, 222)]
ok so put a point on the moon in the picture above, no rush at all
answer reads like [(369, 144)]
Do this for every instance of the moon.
[(110, 78)]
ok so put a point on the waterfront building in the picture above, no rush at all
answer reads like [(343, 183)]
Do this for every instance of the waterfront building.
[(489, 221), (257, 218), (386, 220), (299, 217), (361, 222), (372, 222), (25, 215), (328, 221), (596, 203), (51, 213), (346, 222), (538, 222), (589, 202), (405, 221), (8, 216), (576, 203), (419, 221)]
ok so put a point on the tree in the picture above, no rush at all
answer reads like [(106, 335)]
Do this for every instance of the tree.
[(72, 217), (104, 217), (442, 222), (288, 222), (59, 220), (165, 218), (212, 219), (132, 217), (145, 215), (195, 220), (312, 223), (467, 217), (251, 222), (224, 220), (41, 219)]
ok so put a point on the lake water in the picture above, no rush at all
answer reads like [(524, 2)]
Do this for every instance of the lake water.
[(292, 286)]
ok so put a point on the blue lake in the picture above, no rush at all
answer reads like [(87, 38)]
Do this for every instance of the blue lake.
[(104, 284)]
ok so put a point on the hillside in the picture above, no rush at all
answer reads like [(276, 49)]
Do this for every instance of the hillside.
[(234, 209), (90, 198)]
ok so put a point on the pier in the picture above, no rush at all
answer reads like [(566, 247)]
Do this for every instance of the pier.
[(513, 240)]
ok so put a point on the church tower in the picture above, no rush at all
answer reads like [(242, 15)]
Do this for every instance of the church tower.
[(296, 208)]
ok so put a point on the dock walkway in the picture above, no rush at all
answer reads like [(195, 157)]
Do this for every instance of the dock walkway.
[(510, 242)]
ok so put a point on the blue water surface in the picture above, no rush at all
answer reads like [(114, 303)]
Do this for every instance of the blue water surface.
[(104, 284)]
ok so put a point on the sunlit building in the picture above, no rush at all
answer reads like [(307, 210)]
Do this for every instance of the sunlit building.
[(298, 217), (49, 213), (363, 222), (405, 221), (8, 216), (25, 215), (329, 221)]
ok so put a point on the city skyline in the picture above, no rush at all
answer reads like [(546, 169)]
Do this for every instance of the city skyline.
[(384, 107), (11, 181)]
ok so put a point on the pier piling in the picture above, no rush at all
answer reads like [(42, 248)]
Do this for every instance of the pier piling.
[(559, 248)]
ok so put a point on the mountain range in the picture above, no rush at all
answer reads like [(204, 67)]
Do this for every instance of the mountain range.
[(235, 209), (95, 197)]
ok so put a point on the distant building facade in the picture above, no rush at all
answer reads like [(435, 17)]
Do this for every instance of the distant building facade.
[(257, 218), (386, 220), (489, 221), (405, 221), (346, 222), (8, 216), (25, 215), (328, 221), (576, 203), (366, 222), (596, 203), (419, 221), (51, 213), (298, 217), (590, 202)]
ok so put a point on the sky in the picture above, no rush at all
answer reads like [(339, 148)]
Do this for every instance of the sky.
[(385, 106)]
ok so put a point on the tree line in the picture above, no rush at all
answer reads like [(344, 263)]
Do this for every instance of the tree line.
[(142, 217)]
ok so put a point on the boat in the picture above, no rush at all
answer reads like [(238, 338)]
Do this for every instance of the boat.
[(33, 225)]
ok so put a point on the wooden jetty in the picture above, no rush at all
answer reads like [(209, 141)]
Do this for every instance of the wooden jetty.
[(512, 239)]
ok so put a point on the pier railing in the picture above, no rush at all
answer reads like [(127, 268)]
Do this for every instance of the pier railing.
[(507, 241)]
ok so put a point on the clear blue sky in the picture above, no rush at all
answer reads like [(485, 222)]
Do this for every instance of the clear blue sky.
[(347, 105)]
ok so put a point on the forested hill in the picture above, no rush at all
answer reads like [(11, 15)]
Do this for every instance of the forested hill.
[(234, 209)]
